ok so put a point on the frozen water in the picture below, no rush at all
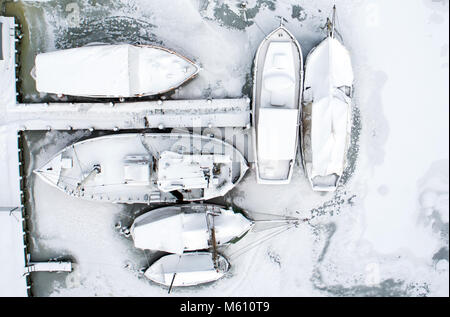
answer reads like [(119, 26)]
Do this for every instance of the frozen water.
[(384, 232)]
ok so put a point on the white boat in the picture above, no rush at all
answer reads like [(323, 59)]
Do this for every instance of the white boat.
[(327, 103), (191, 227), (112, 71), (188, 269), (145, 168), (277, 89)]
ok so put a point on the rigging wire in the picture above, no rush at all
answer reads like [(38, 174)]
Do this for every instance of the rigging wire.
[(259, 242), (79, 162)]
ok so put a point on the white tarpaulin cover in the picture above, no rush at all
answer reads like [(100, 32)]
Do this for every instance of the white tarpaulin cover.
[(328, 66), (190, 268), (329, 134), (172, 230), (111, 70), (328, 72), (151, 233)]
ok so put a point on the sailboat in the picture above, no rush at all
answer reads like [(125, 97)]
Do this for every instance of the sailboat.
[(187, 269), (202, 228), (327, 105), (277, 90), (112, 71), (181, 228), (146, 168)]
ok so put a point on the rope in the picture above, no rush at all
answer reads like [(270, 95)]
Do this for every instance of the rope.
[(258, 242), (262, 31)]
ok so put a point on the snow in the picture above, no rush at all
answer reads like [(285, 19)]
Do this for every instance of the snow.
[(176, 229), (9, 169), (49, 267), (164, 234), (417, 112), (328, 66), (329, 135), (184, 171), (277, 137), (384, 233), (328, 74), (12, 254), (111, 70), (190, 269), (276, 143), (213, 113), (7, 62), (279, 76), (101, 167), (92, 70), (277, 89)]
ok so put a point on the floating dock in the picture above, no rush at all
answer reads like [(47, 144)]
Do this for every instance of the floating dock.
[(12, 243), (7, 63), (160, 114)]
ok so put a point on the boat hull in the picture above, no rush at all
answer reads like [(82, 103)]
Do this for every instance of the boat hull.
[(181, 228), (130, 168), (191, 269), (327, 108), (112, 71), (277, 90)]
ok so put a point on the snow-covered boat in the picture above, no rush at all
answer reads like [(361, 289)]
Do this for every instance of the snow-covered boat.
[(277, 89), (112, 71), (191, 227), (146, 168), (188, 269), (327, 103)]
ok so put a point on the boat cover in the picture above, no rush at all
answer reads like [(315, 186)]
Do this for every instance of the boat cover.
[(178, 171), (277, 133), (328, 73), (190, 269), (111, 70), (171, 230)]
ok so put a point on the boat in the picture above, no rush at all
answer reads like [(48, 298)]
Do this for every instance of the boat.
[(277, 90), (327, 107), (182, 228), (146, 168), (112, 71), (187, 269)]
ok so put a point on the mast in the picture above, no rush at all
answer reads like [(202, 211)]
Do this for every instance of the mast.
[(212, 237), (214, 247), (333, 22), (330, 25), (171, 283), (94, 172), (174, 274)]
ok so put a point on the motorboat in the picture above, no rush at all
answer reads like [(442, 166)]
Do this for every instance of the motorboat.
[(146, 168), (112, 71), (277, 90)]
